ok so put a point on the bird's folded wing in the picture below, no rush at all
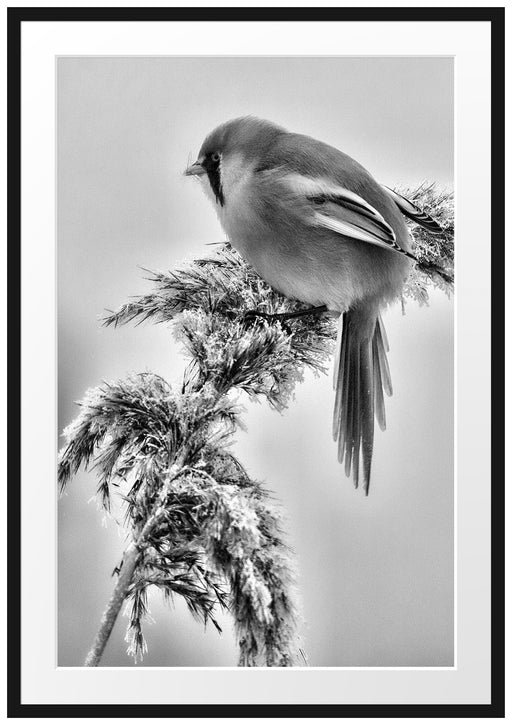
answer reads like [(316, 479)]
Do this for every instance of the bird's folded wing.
[(413, 212), (346, 213)]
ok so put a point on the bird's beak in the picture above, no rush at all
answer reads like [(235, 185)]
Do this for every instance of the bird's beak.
[(196, 169)]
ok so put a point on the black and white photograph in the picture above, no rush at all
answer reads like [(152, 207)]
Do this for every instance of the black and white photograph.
[(312, 525), (257, 334)]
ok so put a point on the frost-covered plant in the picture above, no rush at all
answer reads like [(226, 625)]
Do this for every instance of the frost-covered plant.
[(434, 252), (197, 525)]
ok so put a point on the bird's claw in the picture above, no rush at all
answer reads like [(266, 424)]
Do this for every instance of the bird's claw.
[(252, 315)]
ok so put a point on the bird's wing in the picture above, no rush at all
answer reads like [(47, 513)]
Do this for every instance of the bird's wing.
[(344, 212), (413, 212)]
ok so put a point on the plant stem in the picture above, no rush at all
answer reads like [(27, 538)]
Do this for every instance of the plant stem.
[(130, 559), (109, 617)]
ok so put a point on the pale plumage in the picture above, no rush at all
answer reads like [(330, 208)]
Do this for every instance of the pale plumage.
[(318, 228)]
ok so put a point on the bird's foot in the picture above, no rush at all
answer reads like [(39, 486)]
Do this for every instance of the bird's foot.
[(282, 317), (252, 314)]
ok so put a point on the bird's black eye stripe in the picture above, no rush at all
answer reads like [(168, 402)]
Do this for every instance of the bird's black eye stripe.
[(212, 164)]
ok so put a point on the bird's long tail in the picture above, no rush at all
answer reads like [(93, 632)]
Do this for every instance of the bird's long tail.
[(361, 374)]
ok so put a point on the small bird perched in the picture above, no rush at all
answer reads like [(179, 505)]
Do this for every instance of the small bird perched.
[(318, 228)]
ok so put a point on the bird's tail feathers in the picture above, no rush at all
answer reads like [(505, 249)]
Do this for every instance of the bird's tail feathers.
[(361, 375)]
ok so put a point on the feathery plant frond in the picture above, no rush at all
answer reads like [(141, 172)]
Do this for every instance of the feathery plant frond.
[(435, 252), (134, 432), (199, 527)]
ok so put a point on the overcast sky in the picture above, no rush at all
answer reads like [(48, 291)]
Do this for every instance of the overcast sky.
[(377, 572)]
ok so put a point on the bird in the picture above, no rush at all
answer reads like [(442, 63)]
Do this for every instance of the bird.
[(318, 228)]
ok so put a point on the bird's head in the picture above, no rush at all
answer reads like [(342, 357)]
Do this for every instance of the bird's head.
[(229, 150)]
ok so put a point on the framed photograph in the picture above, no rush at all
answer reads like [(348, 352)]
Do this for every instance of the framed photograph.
[(186, 539)]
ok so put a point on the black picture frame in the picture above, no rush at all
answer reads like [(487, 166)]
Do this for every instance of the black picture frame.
[(16, 16)]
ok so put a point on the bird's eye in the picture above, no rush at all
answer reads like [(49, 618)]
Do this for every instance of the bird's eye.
[(216, 157)]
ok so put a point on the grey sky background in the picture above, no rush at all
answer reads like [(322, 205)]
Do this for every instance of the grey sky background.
[(376, 573)]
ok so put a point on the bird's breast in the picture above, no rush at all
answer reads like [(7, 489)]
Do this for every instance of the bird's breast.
[(280, 252), (275, 235)]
